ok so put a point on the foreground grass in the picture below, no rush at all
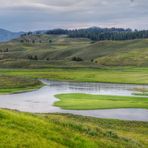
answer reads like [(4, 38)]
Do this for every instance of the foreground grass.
[(57, 130), (88, 102), (131, 75), (13, 84)]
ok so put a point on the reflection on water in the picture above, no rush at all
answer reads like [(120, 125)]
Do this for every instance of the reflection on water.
[(95, 88), (41, 101)]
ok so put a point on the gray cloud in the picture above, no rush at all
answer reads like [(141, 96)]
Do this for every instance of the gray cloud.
[(45, 14)]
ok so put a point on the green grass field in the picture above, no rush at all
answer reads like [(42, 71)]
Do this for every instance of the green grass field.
[(57, 130), (110, 74), (92, 102)]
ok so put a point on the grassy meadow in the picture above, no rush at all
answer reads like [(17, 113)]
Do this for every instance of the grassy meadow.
[(63, 130), (131, 75)]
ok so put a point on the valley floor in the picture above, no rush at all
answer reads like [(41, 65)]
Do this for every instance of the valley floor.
[(63, 130)]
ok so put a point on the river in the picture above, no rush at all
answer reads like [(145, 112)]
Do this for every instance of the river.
[(41, 100)]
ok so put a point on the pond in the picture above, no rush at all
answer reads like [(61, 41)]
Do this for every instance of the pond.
[(41, 100)]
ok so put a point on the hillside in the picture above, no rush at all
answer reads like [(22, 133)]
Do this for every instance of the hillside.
[(6, 35), (55, 50), (57, 130)]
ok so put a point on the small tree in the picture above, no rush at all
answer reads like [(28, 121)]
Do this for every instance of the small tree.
[(22, 41), (78, 59), (30, 57), (29, 33), (36, 57), (6, 50), (33, 41), (50, 41)]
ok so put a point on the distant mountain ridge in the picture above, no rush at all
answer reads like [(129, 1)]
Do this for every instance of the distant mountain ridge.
[(6, 35), (93, 33)]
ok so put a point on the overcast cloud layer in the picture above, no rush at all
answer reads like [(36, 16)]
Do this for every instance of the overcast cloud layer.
[(28, 15)]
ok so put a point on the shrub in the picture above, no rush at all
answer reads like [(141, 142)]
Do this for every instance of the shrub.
[(78, 59)]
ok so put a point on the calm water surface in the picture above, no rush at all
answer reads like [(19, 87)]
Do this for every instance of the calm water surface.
[(41, 100)]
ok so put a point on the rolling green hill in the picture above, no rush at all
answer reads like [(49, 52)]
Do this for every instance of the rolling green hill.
[(55, 50)]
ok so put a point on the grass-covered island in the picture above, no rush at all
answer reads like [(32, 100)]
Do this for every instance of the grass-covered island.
[(91, 102), (57, 130)]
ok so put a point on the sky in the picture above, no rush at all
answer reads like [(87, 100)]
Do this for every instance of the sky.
[(30, 15)]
